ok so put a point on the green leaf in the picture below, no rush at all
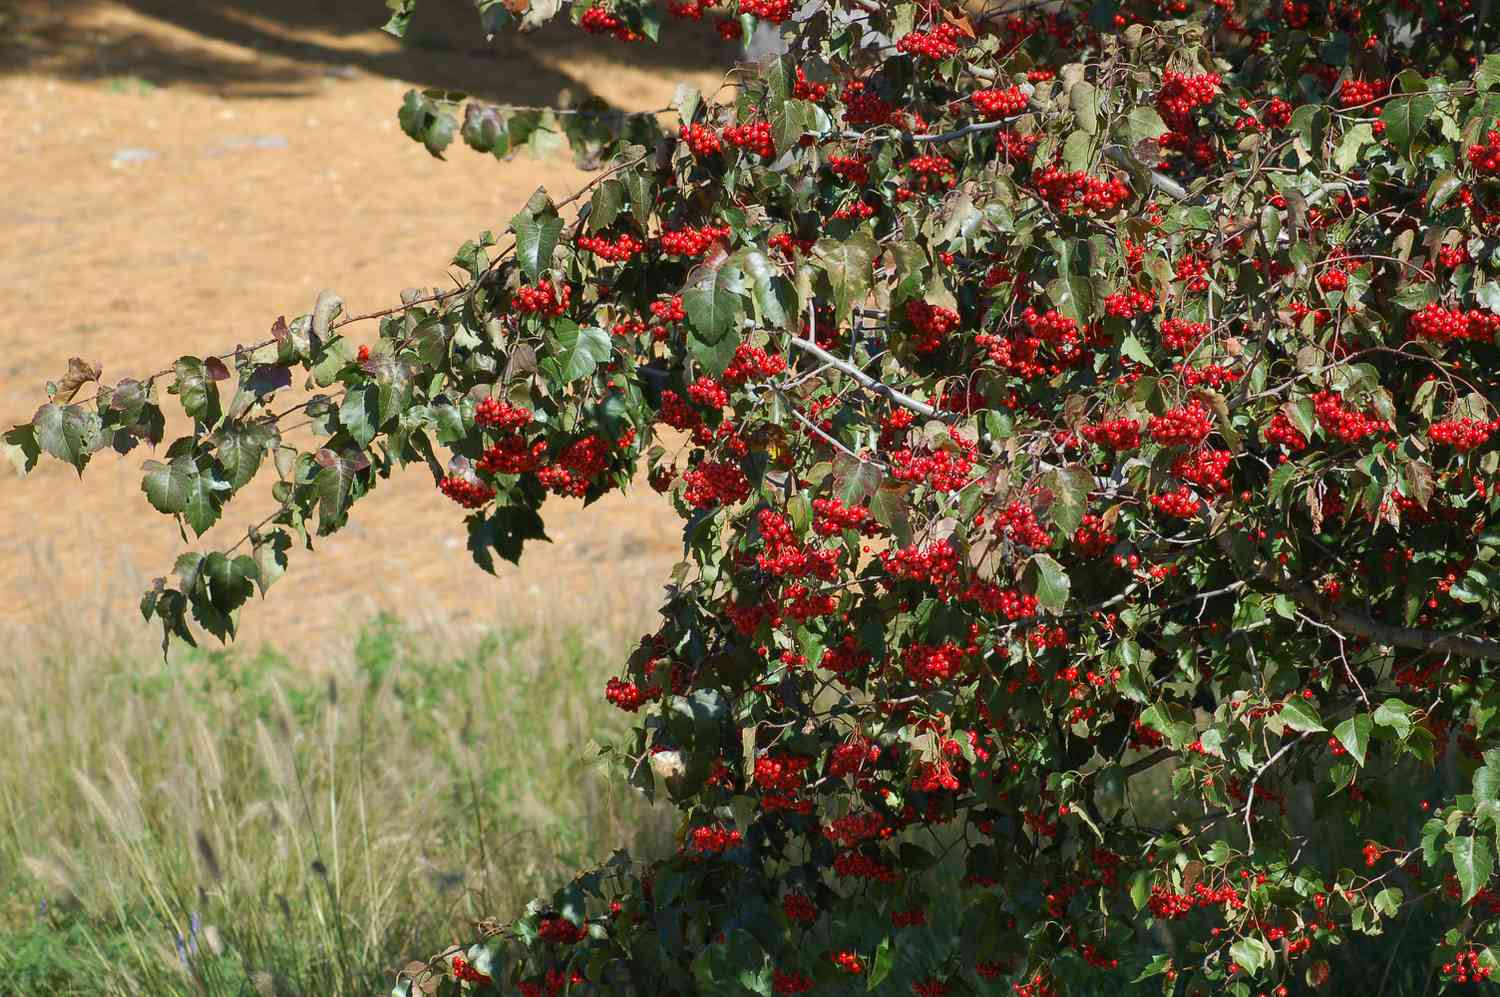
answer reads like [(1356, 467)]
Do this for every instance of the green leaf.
[(1070, 487), (21, 447), (1404, 118), (69, 433), (1299, 715), (1445, 186), (1144, 123), (1049, 582), (1394, 714), (334, 486), (537, 228), (1251, 954), (401, 12), (359, 413), (1474, 862), (790, 120), (197, 390), (181, 488), (881, 965), (847, 262), (1084, 99), (580, 350), (713, 303), (1132, 349), (855, 480), (772, 295), (1486, 783), (714, 356), (1355, 139), (1354, 735), (609, 198), (1488, 73), (240, 450), (269, 552)]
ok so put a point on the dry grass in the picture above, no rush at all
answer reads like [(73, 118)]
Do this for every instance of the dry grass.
[(226, 824)]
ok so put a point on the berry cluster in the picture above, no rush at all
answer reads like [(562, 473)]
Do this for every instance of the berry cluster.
[(599, 21), (932, 323), (926, 664), (1017, 522), (465, 972), (852, 169), (790, 983), (561, 931), (1078, 192), (690, 241), (1128, 304), (773, 11), (751, 363), (492, 413), (1182, 94), (832, 517), (789, 245), (1182, 336), (512, 455), (700, 139), (670, 310), (1117, 434), (1180, 502), (995, 104), (862, 107), (578, 465), (849, 963), (1342, 422), (627, 696), (543, 299), (932, 172), (1334, 278), (1462, 435), (714, 840), (754, 138), (1356, 93), (805, 89), (714, 483), (1446, 325), (467, 492), (938, 44), (1465, 967), (1205, 468), (1186, 425), (1092, 537), (1485, 156), (708, 392), (943, 470), (617, 250), (1281, 431)]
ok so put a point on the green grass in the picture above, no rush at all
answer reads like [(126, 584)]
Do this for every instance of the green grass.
[(253, 823)]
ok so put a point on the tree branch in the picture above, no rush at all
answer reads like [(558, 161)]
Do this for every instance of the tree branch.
[(1352, 624), (865, 380)]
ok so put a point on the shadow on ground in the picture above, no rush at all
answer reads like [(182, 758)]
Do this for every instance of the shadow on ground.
[(269, 48)]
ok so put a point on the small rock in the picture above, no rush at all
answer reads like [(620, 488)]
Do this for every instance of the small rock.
[(341, 72), (237, 143), (126, 156)]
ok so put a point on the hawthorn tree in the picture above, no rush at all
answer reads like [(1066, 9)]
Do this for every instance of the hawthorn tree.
[(1083, 420)]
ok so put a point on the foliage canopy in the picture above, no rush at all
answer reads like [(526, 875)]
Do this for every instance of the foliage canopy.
[(1059, 400)]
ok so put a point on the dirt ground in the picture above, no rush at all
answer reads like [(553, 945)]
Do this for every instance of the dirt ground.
[(176, 174)]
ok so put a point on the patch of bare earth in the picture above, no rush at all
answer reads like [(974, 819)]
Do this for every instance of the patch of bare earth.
[(176, 175)]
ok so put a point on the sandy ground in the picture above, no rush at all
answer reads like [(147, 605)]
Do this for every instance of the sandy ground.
[(177, 173)]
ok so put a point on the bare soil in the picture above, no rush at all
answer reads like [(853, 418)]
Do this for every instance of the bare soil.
[(175, 175)]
